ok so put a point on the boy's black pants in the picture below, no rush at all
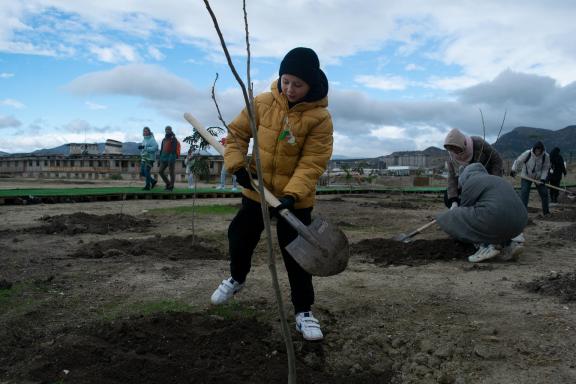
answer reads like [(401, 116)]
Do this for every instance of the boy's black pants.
[(243, 236)]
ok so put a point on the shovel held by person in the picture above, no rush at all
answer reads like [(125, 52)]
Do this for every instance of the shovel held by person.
[(320, 248)]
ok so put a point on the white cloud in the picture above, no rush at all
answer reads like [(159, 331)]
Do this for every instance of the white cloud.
[(115, 54), (95, 106), (6, 75), (387, 83), (156, 54), (388, 132), (414, 67), (450, 83), (12, 103)]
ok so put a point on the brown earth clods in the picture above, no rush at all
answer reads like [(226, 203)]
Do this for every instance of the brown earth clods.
[(177, 347), (562, 285), (421, 324), (81, 222), (168, 247), (418, 252)]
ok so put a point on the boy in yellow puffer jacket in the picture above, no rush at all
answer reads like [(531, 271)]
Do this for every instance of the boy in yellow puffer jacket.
[(295, 138)]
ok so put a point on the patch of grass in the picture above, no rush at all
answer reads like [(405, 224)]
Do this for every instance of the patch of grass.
[(22, 297), (199, 209), (234, 310), (114, 311)]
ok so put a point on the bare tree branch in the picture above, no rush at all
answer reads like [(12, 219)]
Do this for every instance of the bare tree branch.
[(249, 101)]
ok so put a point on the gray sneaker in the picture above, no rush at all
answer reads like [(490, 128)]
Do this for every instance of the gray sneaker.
[(512, 252), (485, 252)]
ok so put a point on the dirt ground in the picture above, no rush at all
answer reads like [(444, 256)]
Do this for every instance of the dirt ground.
[(119, 292)]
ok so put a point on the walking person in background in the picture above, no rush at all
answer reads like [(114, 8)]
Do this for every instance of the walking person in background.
[(557, 170), (169, 152), (148, 149), (464, 150), (295, 137), (535, 164), (189, 163)]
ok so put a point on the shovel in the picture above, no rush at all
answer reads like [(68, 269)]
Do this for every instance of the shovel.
[(406, 238), (321, 249), (569, 193)]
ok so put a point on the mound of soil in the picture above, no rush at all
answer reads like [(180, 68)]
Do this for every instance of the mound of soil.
[(81, 222), (555, 284), (394, 205), (419, 252), (566, 233), (169, 247), (177, 348)]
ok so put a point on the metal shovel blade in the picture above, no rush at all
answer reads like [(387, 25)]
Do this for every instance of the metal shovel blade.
[(327, 259)]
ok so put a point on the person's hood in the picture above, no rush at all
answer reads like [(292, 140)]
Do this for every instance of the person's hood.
[(462, 141), (537, 145), (555, 152), (474, 169)]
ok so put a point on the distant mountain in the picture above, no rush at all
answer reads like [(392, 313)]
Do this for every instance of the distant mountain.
[(520, 139), (128, 148), (3, 153)]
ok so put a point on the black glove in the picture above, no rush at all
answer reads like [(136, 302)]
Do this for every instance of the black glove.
[(140, 147), (286, 202), (513, 173), (243, 178)]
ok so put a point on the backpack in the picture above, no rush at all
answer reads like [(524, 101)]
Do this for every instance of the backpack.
[(530, 155), (177, 149)]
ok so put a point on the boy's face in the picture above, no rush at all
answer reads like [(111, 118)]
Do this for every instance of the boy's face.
[(294, 87), (146, 132), (538, 151)]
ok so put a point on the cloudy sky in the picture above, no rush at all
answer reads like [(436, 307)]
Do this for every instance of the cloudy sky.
[(402, 73)]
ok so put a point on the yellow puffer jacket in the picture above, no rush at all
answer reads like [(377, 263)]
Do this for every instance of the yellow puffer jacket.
[(295, 145)]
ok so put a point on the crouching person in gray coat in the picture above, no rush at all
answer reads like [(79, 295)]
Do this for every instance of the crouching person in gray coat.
[(490, 214)]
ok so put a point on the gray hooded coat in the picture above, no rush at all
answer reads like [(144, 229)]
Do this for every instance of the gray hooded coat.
[(490, 211)]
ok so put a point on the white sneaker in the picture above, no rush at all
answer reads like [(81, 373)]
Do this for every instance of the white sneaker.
[(308, 326), (512, 252), (234, 189), (219, 187), (225, 291), (485, 252)]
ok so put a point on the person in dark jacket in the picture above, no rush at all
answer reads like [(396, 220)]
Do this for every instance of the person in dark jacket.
[(557, 169), (168, 155), (490, 215), (464, 150)]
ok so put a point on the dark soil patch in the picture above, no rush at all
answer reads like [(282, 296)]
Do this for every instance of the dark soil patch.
[(562, 285), (177, 348), (5, 284), (419, 252), (394, 205), (567, 233), (169, 247), (81, 222), (567, 214)]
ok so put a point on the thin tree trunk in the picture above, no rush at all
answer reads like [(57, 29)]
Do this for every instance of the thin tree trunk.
[(249, 101)]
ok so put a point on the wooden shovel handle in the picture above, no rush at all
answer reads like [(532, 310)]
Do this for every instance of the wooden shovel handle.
[(268, 196), (547, 185)]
